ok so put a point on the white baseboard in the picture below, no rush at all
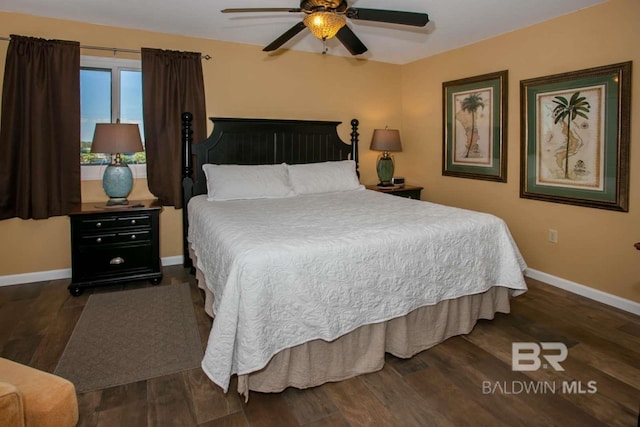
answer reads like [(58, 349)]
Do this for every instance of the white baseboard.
[(171, 260), (37, 276), (585, 291), (65, 273)]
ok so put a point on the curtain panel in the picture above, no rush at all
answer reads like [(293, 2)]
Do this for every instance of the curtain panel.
[(40, 128), (172, 83)]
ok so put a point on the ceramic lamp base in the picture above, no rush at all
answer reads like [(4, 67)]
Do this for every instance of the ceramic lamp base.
[(117, 183), (385, 170)]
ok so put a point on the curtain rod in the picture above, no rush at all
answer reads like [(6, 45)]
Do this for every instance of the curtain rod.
[(110, 49)]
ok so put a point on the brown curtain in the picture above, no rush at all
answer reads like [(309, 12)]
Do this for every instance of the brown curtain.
[(40, 129), (172, 83)]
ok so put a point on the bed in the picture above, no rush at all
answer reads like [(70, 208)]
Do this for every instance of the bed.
[(317, 279)]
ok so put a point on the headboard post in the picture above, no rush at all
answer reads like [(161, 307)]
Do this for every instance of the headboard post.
[(354, 143), (187, 181)]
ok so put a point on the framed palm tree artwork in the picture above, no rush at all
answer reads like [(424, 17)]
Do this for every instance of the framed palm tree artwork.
[(575, 137), (474, 127)]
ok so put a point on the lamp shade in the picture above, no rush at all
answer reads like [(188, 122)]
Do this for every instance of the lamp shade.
[(386, 140), (116, 138), (324, 25)]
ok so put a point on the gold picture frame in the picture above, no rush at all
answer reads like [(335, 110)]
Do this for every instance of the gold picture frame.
[(474, 127), (575, 137)]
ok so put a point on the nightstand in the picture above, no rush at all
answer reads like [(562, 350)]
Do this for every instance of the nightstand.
[(408, 191), (114, 244)]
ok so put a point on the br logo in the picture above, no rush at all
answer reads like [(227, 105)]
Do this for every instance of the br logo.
[(529, 356)]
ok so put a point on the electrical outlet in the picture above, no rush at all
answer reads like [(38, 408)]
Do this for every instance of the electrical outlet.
[(553, 236)]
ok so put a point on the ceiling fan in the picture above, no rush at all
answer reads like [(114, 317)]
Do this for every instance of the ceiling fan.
[(327, 19)]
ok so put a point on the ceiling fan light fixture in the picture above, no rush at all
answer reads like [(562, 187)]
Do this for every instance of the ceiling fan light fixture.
[(324, 25)]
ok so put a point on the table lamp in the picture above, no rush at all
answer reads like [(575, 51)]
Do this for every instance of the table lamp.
[(385, 140), (115, 139)]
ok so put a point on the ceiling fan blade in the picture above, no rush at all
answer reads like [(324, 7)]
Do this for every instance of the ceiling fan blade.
[(351, 41), (391, 16), (288, 35), (262, 9)]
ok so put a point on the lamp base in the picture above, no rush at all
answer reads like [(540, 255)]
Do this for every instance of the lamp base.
[(385, 184), (117, 183), (117, 202), (385, 168)]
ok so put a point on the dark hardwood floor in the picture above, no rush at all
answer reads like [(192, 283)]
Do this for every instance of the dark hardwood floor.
[(466, 380)]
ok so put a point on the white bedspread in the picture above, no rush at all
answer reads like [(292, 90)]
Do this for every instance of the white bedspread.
[(287, 271)]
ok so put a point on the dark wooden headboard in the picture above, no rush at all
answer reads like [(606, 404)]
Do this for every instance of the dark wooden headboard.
[(258, 141)]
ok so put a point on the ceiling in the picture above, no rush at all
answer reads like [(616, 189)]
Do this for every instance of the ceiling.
[(454, 23)]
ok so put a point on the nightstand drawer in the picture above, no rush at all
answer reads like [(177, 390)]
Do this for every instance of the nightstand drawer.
[(113, 261), (103, 239), (114, 222)]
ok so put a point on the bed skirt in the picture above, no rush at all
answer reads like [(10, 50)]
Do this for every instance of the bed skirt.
[(362, 351)]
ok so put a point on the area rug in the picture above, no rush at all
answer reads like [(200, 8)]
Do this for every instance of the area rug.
[(128, 336)]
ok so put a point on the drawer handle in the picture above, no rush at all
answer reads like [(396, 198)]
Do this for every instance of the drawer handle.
[(133, 221), (133, 237), (99, 240), (117, 261), (98, 224)]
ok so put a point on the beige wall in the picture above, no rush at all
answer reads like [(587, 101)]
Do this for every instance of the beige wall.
[(595, 247), (240, 81)]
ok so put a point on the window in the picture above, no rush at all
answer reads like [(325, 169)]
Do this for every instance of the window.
[(110, 89)]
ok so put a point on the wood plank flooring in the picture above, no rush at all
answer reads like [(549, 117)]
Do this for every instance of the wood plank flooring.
[(466, 380)]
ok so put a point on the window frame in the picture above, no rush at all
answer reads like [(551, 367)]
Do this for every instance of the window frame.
[(95, 172)]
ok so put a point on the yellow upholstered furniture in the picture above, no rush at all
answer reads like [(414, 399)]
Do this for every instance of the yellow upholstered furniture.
[(33, 398)]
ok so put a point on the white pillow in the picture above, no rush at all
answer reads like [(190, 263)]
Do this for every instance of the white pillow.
[(235, 182), (325, 177)]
